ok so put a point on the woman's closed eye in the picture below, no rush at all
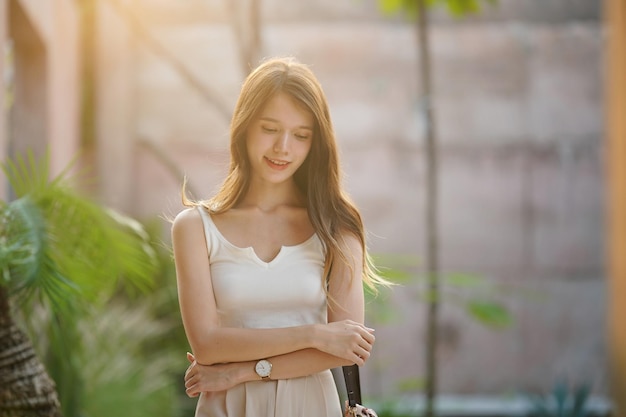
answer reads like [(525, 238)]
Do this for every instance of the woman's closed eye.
[(273, 130), (302, 136)]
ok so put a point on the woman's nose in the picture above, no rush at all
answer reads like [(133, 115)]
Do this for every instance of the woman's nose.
[(282, 143)]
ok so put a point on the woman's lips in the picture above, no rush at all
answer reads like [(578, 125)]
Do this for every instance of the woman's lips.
[(276, 164)]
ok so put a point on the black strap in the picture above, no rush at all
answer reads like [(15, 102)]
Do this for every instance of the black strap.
[(353, 384)]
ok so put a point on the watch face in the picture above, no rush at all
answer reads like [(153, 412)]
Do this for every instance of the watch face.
[(263, 368)]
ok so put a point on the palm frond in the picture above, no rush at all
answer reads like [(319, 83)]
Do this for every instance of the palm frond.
[(137, 382), (59, 244), (110, 360), (27, 267), (26, 175), (97, 247)]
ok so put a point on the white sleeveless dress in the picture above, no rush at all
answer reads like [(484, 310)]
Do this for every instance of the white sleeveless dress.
[(251, 293)]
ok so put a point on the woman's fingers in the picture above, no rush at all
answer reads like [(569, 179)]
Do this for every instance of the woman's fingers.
[(369, 336), (364, 347), (350, 340), (191, 371), (358, 354), (363, 352), (192, 391), (191, 381), (366, 333), (191, 377)]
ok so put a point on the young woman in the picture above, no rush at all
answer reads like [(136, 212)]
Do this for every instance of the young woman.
[(270, 270)]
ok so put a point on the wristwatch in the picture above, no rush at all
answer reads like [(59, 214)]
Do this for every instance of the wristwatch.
[(263, 369)]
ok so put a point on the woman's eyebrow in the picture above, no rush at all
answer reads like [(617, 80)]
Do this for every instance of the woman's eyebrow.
[(271, 119)]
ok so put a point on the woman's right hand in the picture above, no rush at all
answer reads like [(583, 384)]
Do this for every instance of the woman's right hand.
[(208, 378), (346, 339)]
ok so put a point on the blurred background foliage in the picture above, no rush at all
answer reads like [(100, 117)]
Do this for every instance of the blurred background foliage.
[(95, 292)]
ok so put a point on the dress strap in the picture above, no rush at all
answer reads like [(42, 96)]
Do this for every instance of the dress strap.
[(209, 226)]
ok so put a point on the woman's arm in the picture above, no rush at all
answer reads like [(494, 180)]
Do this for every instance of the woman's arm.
[(346, 308), (220, 377), (213, 344)]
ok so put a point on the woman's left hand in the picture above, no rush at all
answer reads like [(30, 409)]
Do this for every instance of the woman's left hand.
[(208, 378)]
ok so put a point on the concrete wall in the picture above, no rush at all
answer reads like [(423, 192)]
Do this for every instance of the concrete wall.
[(115, 101), (41, 80), (519, 115)]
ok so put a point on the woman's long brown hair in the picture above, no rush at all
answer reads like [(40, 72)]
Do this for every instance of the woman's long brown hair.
[(319, 178)]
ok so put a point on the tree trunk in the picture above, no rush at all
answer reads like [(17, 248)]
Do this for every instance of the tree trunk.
[(26, 390), (432, 208)]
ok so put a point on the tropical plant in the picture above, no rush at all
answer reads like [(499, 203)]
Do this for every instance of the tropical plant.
[(62, 253), (561, 402), (479, 298), (132, 355)]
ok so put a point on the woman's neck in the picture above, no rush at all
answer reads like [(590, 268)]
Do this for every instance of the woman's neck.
[(268, 197)]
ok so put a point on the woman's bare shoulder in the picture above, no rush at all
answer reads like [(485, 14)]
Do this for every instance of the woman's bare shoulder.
[(187, 219)]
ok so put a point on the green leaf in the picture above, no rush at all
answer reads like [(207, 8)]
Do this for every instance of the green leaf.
[(560, 395), (410, 384), (462, 280), (580, 399), (390, 7), (398, 260), (395, 267), (394, 275), (460, 8), (457, 8), (489, 313)]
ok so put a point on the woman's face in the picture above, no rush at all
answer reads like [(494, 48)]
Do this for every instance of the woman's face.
[(279, 139)]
